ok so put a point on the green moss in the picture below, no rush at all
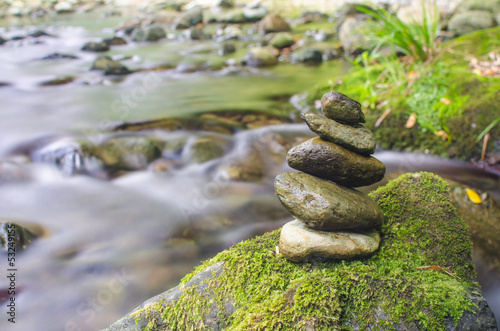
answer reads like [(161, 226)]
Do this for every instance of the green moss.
[(267, 292)]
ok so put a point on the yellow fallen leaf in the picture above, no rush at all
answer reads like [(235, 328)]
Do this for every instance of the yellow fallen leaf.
[(477, 72), (473, 196), (411, 121)]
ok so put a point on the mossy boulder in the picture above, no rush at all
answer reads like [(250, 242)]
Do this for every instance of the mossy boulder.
[(282, 40), (253, 287), (471, 20)]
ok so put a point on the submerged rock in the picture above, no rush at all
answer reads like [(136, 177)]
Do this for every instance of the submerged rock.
[(115, 41), (330, 161), (93, 46), (155, 33), (298, 243), (126, 153), (244, 287), (324, 205), (15, 237), (109, 66), (310, 56), (58, 56), (202, 150), (261, 57), (356, 137)]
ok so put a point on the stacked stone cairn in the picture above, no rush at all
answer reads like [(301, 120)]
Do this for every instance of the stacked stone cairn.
[(332, 219)]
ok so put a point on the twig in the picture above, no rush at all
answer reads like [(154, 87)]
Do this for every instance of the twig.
[(435, 267)]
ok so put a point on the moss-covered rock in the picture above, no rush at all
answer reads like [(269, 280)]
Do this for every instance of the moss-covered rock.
[(253, 287)]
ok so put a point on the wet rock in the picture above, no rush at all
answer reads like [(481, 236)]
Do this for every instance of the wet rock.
[(231, 16), (155, 33), (224, 3), (189, 18), (341, 108), (64, 7), (93, 46), (255, 11), (138, 35), (355, 138), (59, 56), (470, 21), (198, 34), (227, 48), (255, 158), (299, 243), (261, 57), (15, 237), (2, 41), (202, 150), (310, 56), (58, 81), (39, 33), (126, 153), (324, 205), (273, 23), (329, 161), (65, 154), (115, 41), (282, 40), (109, 66)]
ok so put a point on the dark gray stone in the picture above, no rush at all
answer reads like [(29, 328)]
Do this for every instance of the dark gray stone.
[(329, 161), (356, 137), (323, 205), (341, 108), (95, 46), (109, 66), (307, 56)]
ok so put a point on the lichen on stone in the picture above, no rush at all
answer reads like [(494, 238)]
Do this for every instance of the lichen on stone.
[(259, 289)]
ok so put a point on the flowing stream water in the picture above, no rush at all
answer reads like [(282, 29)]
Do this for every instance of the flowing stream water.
[(105, 246)]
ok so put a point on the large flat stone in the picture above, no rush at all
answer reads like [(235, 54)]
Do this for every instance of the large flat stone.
[(355, 137), (324, 205), (299, 243), (341, 108), (330, 161)]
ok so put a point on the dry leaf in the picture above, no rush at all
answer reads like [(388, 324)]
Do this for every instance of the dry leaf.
[(442, 134), (381, 118), (473, 196), (446, 101), (411, 121)]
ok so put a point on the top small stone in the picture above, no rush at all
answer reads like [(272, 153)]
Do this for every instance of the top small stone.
[(341, 108)]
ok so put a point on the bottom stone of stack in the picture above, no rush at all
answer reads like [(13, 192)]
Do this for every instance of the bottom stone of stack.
[(298, 243)]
